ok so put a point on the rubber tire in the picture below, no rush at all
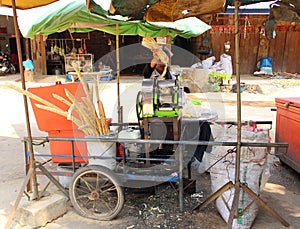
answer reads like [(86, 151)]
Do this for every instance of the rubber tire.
[(13, 69), (112, 177), (139, 112)]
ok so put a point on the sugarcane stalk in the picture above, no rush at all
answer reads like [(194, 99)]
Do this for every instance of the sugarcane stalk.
[(103, 117), (88, 130), (93, 114), (84, 113), (30, 95), (71, 106), (151, 44), (59, 112), (84, 85), (100, 126), (101, 109), (62, 99)]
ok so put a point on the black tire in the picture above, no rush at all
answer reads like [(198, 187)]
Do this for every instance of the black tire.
[(139, 106), (13, 69), (95, 193), (139, 112)]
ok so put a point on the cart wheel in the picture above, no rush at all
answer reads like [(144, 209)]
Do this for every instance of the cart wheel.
[(139, 110), (95, 193), (139, 106)]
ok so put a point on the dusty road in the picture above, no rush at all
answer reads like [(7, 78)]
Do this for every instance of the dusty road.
[(282, 191)]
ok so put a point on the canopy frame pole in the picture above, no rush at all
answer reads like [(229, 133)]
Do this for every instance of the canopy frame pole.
[(238, 185), (33, 178), (120, 118)]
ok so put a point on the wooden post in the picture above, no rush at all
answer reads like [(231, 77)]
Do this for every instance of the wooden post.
[(38, 54), (236, 196)]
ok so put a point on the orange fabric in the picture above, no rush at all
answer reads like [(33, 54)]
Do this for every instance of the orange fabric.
[(28, 4)]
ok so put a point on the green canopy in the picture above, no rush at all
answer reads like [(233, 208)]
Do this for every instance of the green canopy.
[(74, 15)]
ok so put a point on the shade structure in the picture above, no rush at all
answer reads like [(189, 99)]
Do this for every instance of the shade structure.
[(75, 16), (238, 83), (28, 4), (162, 10)]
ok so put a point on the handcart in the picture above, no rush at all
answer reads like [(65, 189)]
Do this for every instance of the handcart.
[(132, 155), (154, 150)]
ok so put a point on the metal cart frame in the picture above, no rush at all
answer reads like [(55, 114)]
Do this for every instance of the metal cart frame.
[(101, 188)]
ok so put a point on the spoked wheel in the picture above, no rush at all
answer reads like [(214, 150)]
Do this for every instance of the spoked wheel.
[(139, 112), (139, 106), (95, 193)]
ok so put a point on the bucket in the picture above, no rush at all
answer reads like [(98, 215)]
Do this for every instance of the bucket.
[(57, 71), (63, 179), (242, 87), (104, 149), (265, 62)]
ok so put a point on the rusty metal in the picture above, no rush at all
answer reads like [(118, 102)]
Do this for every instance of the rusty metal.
[(52, 179), (183, 142)]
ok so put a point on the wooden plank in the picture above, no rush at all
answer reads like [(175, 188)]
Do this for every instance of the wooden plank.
[(248, 54), (292, 52), (286, 52), (276, 51)]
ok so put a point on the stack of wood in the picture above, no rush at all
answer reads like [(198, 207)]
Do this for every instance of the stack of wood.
[(90, 121)]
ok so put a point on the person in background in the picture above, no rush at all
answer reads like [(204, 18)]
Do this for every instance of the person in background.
[(156, 67), (201, 131)]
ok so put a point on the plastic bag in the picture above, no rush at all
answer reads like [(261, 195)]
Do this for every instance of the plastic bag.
[(253, 171), (207, 63), (27, 64), (226, 63)]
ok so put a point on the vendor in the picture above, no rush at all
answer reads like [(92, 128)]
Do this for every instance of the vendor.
[(156, 67)]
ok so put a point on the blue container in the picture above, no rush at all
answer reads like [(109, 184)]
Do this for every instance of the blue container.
[(265, 62), (242, 87)]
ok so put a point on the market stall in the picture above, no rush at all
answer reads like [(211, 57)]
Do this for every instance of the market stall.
[(238, 185)]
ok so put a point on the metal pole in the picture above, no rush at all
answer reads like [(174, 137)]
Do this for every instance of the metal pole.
[(118, 72), (34, 180), (235, 201), (180, 151)]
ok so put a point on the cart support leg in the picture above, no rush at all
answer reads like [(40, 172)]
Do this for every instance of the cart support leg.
[(180, 178), (215, 195), (52, 179), (13, 210), (264, 205)]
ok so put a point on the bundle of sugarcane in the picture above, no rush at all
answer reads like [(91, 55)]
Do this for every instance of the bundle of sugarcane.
[(89, 121), (99, 123), (151, 44)]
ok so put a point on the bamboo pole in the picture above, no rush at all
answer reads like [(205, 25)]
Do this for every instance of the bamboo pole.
[(118, 73), (33, 178), (235, 201)]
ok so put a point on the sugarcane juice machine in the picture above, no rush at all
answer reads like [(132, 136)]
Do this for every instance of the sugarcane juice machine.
[(158, 109), (159, 98)]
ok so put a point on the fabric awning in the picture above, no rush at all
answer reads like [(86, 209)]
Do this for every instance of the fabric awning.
[(74, 15)]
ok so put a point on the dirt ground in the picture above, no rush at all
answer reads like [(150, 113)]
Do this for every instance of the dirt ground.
[(158, 209)]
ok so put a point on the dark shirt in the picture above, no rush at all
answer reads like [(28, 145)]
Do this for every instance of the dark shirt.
[(147, 72)]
